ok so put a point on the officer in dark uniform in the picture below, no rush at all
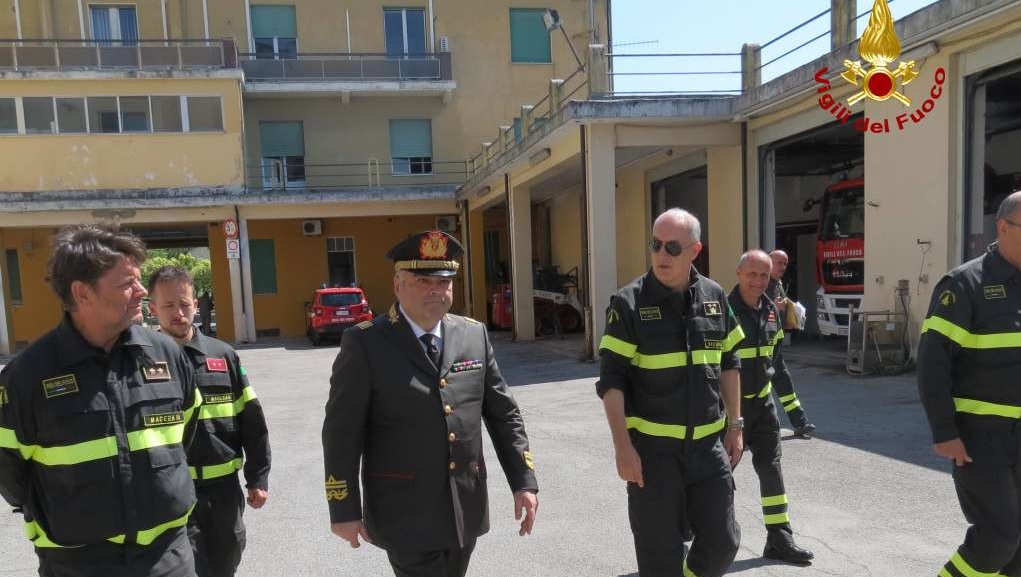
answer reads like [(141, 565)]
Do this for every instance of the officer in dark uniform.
[(667, 370), (408, 396), (969, 359), (94, 420), (762, 367), (776, 293), (232, 430)]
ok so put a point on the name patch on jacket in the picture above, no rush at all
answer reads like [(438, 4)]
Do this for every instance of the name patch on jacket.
[(217, 399), (216, 365), (994, 291), (160, 419), (58, 386), (650, 313), (712, 308), (714, 345), (336, 490), (462, 366), (156, 372)]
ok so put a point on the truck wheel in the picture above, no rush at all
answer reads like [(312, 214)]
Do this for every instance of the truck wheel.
[(570, 320)]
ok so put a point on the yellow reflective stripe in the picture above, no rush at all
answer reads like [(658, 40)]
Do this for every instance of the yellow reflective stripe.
[(753, 352), (968, 570), (622, 348), (155, 437), (969, 340), (732, 340), (662, 361), (217, 411), (147, 536), (103, 448), (776, 519), (247, 394), (983, 408), (702, 431), (792, 406), (762, 394), (688, 572), (39, 538), (195, 403), (944, 573), (779, 336), (774, 500), (9, 440), (788, 398), (703, 357), (216, 471), (674, 431)]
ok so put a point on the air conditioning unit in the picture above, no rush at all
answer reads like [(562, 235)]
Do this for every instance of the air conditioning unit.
[(312, 227), (446, 223), (444, 44)]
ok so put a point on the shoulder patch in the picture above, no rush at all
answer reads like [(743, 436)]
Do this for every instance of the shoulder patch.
[(947, 298), (364, 325)]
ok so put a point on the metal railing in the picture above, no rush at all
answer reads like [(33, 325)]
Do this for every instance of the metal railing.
[(706, 64), (275, 175), (343, 66), (68, 55)]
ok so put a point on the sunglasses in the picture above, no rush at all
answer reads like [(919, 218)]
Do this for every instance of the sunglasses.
[(673, 247), (1012, 223)]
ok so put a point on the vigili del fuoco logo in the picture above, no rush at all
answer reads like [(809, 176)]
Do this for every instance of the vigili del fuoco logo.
[(876, 80)]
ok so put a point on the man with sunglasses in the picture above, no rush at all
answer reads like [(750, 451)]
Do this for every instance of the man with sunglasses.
[(667, 361), (969, 357)]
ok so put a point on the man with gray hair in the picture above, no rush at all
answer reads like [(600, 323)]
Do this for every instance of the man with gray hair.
[(668, 366), (969, 357)]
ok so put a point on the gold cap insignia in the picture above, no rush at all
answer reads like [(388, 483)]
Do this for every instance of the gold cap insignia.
[(433, 245), (336, 490), (879, 46)]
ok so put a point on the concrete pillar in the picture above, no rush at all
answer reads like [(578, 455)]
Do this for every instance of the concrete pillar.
[(751, 71), (527, 117), (723, 165), (519, 209), (598, 71), (487, 153), (601, 200), (244, 315), (556, 95), (5, 336), (504, 144), (843, 28)]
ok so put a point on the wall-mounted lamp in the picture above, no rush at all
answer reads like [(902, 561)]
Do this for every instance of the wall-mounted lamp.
[(483, 191), (539, 157)]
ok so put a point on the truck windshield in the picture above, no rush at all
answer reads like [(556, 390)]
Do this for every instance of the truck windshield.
[(843, 214)]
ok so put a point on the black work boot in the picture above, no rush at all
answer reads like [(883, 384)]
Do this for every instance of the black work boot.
[(780, 546), (804, 431)]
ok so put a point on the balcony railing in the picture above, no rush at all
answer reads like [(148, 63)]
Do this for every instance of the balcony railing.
[(70, 55), (341, 67), (276, 175)]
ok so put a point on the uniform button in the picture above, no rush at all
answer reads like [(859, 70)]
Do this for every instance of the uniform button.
[(453, 465), (443, 383), (451, 437), (447, 409)]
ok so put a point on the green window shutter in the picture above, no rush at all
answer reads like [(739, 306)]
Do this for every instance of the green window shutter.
[(529, 39), (264, 266), (411, 138), (14, 276), (282, 139), (274, 20)]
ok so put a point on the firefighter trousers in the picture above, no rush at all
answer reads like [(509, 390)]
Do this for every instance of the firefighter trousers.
[(168, 556), (686, 482), (989, 491), (762, 438), (217, 529)]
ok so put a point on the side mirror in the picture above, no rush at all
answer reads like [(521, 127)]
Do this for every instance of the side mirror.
[(810, 204)]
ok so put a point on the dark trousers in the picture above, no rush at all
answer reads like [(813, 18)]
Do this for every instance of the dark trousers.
[(168, 556), (686, 483), (989, 489), (216, 528), (762, 438), (446, 563)]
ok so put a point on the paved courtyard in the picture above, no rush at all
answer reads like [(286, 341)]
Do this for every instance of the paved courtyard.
[(867, 494)]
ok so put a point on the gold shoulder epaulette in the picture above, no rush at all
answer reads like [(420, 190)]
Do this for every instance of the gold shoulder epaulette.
[(364, 325)]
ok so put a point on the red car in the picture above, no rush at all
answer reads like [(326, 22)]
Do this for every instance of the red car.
[(334, 309)]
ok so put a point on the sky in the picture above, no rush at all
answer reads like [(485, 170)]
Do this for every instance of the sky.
[(699, 26)]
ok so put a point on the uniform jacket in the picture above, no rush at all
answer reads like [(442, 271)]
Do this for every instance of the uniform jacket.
[(232, 427), (665, 350), (969, 355), (92, 444), (762, 364), (414, 434)]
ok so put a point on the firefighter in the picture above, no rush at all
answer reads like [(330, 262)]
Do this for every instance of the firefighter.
[(761, 364), (233, 432), (94, 420), (667, 362), (969, 358), (776, 292)]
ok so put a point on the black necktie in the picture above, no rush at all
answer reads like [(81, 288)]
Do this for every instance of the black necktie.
[(430, 348)]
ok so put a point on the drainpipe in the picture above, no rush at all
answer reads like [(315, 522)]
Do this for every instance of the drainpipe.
[(432, 28), (587, 352), (17, 16)]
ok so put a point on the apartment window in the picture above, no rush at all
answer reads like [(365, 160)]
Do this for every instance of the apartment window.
[(264, 266), (205, 114), (114, 24), (8, 116), (530, 42), (166, 113), (340, 255), (275, 31), (103, 117), (134, 113), (38, 115), (404, 29), (13, 276), (283, 154), (411, 147), (71, 116)]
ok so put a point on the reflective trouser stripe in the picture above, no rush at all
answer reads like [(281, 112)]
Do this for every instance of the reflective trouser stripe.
[(967, 570), (777, 519), (676, 431), (622, 348), (688, 572), (215, 471), (753, 352), (145, 537), (763, 393), (790, 407), (774, 500), (984, 408), (790, 402)]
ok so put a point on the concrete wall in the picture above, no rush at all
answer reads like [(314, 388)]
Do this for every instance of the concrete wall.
[(633, 226), (724, 180), (565, 229), (40, 310)]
